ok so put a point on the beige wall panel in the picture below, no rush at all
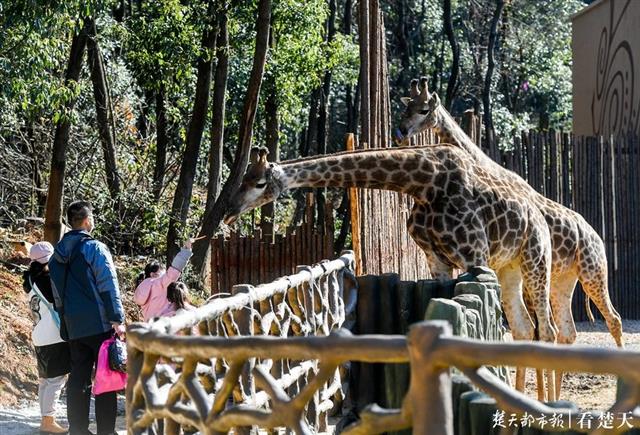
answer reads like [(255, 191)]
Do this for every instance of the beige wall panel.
[(606, 68)]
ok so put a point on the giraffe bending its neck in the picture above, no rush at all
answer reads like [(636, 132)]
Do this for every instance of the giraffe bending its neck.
[(463, 214), (578, 253)]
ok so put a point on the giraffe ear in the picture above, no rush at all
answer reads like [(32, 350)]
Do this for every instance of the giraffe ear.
[(424, 87), (434, 101), (414, 91), (405, 100), (254, 155)]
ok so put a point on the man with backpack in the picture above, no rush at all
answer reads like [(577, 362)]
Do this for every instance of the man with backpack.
[(87, 296)]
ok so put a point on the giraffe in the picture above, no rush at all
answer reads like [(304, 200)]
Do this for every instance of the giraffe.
[(578, 253), (464, 216)]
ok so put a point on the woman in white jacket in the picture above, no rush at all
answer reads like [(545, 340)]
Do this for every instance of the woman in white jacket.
[(52, 352)]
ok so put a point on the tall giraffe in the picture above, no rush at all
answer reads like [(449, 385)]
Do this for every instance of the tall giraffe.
[(464, 215), (578, 253)]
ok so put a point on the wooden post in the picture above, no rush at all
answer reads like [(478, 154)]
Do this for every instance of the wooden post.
[(430, 389), (135, 361), (354, 205), (244, 319)]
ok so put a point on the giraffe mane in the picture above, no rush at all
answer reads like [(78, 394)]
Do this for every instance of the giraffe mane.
[(359, 151)]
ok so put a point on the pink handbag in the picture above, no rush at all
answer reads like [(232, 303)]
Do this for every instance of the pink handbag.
[(106, 379)]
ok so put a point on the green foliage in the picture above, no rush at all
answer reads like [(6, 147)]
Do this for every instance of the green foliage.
[(161, 43), (532, 80), (542, 64), (28, 47), (154, 46)]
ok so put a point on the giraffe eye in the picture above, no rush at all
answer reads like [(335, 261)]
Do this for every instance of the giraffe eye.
[(261, 185), (425, 111)]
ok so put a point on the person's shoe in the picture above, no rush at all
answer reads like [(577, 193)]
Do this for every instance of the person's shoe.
[(49, 425)]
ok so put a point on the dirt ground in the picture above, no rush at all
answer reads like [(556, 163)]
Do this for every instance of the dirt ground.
[(18, 373), (592, 391)]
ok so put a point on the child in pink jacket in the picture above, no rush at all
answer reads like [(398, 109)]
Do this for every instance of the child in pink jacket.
[(151, 293)]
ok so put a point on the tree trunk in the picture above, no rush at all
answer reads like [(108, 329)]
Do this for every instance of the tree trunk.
[(272, 121), (312, 123), (142, 123), (101, 97), (404, 45), (344, 214), (36, 174), (436, 79), (455, 50), (486, 91), (309, 147), (347, 22), (323, 118), (218, 110), (213, 216), (365, 103), (184, 189), (53, 212), (162, 141)]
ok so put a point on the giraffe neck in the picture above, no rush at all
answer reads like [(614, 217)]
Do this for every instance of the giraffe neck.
[(449, 131), (387, 169)]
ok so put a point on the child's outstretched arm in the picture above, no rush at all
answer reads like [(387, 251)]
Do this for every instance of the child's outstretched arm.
[(178, 264)]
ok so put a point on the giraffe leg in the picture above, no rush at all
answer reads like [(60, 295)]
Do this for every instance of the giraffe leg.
[(592, 274), (594, 283), (438, 269), (561, 294), (526, 294), (535, 275), (510, 280)]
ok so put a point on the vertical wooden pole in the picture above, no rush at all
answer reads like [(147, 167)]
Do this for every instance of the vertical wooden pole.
[(244, 319), (354, 206), (430, 388)]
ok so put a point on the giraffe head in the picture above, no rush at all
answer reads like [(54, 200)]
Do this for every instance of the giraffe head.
[(262, 183), (421, 112)]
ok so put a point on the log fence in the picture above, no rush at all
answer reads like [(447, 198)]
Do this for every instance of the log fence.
[(274, 356), (203, 380)]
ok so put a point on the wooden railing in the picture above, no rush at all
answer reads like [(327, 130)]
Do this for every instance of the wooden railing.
[(430, 348), (433, 350), (188, 370)]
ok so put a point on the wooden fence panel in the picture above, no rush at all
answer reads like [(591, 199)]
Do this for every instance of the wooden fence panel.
[(256, 258), (599, 178)]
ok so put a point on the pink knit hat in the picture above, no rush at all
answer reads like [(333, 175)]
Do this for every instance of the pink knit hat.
[(41, 252)]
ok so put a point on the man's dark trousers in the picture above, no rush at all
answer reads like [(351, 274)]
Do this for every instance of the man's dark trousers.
[(84, 355)]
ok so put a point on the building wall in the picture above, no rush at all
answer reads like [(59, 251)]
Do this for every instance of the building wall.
[(606, 68)]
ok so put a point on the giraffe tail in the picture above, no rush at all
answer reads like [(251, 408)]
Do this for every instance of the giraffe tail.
[(587, 307)]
